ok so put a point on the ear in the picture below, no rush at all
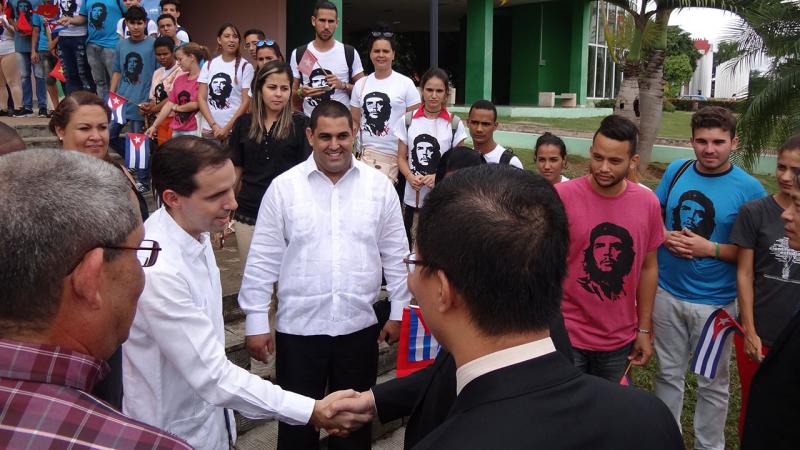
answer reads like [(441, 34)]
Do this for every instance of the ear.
[(313, 21), (734, 143), (635, 161), (60, 132), (448, 296), (85, 280), (171, 198), (310, 136)]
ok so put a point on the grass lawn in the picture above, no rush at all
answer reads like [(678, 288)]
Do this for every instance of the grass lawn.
[(674, 125)]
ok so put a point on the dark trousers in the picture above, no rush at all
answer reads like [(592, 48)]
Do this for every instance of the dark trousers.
[(307, 364), (78, 75)]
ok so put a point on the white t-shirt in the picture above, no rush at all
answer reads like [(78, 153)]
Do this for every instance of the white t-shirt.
[(70, 8), (563, 178), (122, 29), (427, 140), (224, 87), (333, 61), (6, 39), (182, 35), (493, 157), (382, 103)]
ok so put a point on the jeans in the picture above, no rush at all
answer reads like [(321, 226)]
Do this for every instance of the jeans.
[(101, 62), (78, 75), (677, 325), (609, 365), (25, 66), (117, 143)]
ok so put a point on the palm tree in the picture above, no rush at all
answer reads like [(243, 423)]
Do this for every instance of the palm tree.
[(643, 64), (771, 114)]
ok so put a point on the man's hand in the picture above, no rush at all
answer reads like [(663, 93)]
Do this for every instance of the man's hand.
[(698, 245), (642, 350), (674, 243), (334, 82), (353, 412), (312, 91), (416, 181), (390, 332), (324, 415), (429, 180), (752, 346), (34, 57), (147, 108), (260, 346)]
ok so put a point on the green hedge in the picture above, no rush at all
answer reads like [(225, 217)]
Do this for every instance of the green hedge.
[(689, 105)]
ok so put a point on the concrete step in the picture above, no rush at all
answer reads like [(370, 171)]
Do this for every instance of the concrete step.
[(42, 142), (32, 130)]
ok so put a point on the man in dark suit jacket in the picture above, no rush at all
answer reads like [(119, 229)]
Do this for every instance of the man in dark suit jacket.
[(490, 259)]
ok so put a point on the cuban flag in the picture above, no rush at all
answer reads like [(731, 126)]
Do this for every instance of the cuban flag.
[(712, 340), (137, 151), (55, 28), (417, 347), (117, 105)]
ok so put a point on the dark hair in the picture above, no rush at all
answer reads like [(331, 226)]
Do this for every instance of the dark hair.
[(179, 159), (260, 33), (620, 129), (69, 104), (458, 158), (324, 4), (549, 138), (221, 30), (167, 16), (135, 14), (383, 27), (500, 235), (274, 47), (163, 41), (793, 143), (10, 141), (177, 4), (332, 110), (714, 117), (435, 72), (484, 104), (283, 124)]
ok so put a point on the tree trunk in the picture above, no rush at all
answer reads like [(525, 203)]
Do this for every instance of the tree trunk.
[(651, 102), (627, 102)]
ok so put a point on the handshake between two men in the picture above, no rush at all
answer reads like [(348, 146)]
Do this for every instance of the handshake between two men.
[(343, 412)]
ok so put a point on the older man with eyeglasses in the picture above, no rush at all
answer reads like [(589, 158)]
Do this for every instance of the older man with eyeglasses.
[(71, 257)]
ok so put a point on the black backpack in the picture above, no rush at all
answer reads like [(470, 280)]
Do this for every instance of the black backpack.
[(349, 57), (507, 156)]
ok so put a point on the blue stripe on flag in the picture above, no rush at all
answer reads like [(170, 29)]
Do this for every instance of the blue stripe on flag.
[(412, 336)]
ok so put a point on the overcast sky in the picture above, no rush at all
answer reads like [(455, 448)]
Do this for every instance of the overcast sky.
[(705, 23)]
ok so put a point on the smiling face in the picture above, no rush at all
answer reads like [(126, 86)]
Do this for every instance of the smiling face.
[(381, 55), (332, 142), (549, 162), (276, 91), (86, 131), (208, 208)]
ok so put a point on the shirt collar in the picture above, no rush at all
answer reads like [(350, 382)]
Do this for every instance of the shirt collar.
[(49, 364), (443, 113), (310, 166), (498, 360), (188, 245)]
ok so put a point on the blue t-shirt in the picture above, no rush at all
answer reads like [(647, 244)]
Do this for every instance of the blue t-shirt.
[(136, 62), (153, 9), (41, 23), (708, 206), (22, 43), (102, 17)]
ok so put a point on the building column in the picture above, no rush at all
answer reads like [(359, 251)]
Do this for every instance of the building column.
[(579, 50), (338, 33), (480, 16)]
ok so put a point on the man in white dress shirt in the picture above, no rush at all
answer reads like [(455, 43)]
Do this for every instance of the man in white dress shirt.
[(176, 374), (324, 230)]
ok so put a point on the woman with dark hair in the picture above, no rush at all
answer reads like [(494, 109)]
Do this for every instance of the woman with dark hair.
[(267, 50), (265, 142), (378, 103), (80, 121), (768, 270), (551, 157), (424, 135), (224, 84), (456, 159)]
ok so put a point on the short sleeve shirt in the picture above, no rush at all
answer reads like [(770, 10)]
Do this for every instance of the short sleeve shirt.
[(225, 84), (776, 267), (102, 17), (427, 140), (162, 82), (20, 8), (331, 61), (124, 33), (707, 205), (71, 8), (136, 62), (184, 91), (40, 23), (609, 239), (382, 104), (493, 157)]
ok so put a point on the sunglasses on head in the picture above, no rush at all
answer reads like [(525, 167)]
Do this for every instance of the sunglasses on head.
[(267, 43), (387, 34)]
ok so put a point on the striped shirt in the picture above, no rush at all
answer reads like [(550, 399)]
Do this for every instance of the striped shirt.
[(45, 403)]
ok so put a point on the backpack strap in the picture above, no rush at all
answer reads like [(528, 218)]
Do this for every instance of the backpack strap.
[(674, 180), (455, 121), (506, 157), (408, 117), (349, 57)]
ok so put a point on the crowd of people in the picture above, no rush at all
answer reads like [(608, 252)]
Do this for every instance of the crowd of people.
[(542, 291)]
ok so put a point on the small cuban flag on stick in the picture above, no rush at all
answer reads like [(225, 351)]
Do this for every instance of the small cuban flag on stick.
[(137, 151), (711, 343), (307, 63), (417, 347), (117, 105)]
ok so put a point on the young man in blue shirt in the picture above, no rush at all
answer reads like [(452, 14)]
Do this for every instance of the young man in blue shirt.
[(697, 266), (133, 68)]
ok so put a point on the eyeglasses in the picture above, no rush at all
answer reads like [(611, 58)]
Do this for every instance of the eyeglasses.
[(387, 34), (411, 261), (266, 43), (147, 254)]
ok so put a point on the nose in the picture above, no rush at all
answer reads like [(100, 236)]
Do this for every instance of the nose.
[(231, 204), (787, 215)]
